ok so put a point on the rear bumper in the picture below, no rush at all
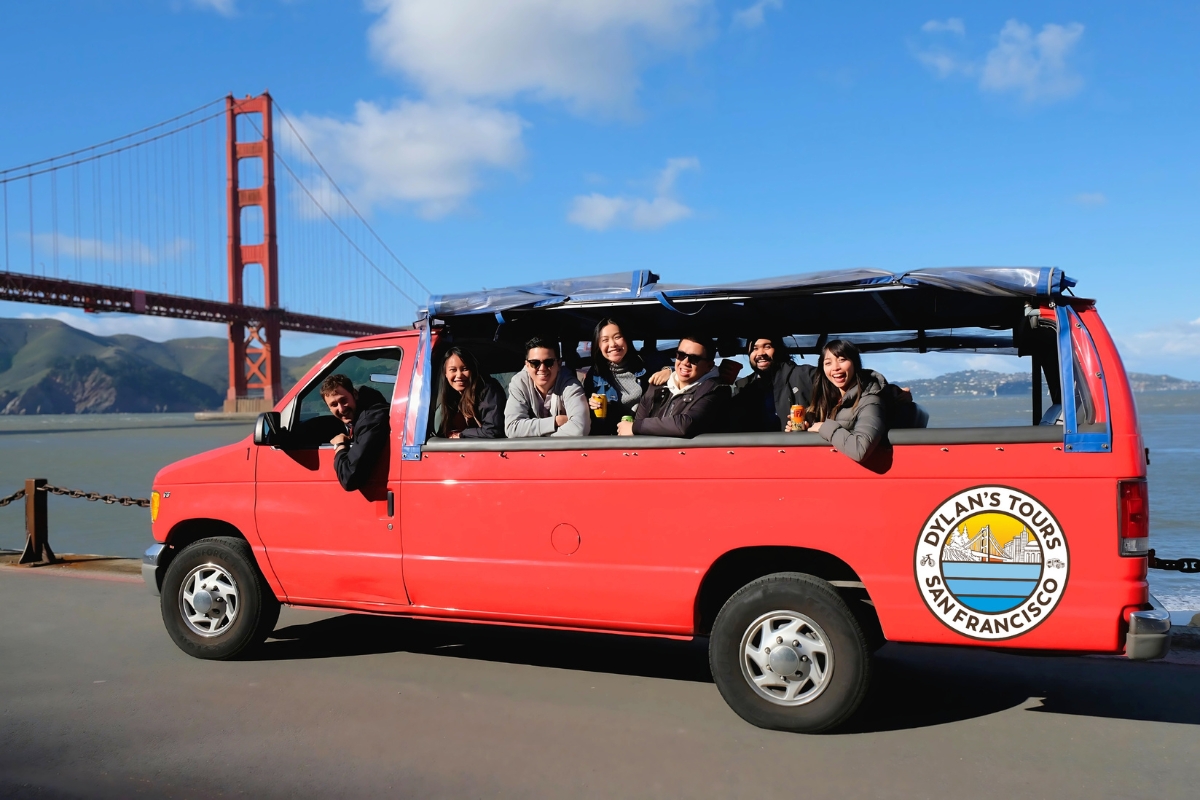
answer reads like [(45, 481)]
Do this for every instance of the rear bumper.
[(150, 566), (1149, 634)]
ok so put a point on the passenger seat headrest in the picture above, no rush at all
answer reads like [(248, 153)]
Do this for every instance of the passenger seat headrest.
[(1053, 415)]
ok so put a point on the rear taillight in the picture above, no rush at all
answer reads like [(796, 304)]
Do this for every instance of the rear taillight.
[(1133, 512)]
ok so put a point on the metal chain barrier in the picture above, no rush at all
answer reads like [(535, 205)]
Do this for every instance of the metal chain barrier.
[(1174, 564), (1171, 565), (94, 496)]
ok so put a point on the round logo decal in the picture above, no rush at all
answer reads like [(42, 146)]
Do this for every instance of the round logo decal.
[(992, 562)]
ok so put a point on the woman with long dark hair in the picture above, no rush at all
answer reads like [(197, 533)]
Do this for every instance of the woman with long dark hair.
[(617, 372), (470, 403), (847, 406)]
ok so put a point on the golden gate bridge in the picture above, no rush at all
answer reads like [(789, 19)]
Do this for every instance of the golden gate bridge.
[(198, 217), (983, 547)]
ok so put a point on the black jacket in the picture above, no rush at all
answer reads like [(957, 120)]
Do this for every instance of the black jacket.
[(704, 409), (762, 401), (489, 410), (371, 427)]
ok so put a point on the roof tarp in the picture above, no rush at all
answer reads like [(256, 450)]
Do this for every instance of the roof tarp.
[(992, 281)]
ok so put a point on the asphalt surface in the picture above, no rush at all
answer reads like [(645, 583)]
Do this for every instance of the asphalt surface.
[(97, 702)]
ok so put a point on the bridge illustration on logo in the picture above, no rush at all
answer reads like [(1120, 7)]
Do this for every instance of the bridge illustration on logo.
[(985, 575), (981, 562)]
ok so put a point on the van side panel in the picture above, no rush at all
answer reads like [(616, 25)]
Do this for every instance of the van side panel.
[(490, 534)]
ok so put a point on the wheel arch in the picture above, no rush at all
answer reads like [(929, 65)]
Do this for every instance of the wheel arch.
[(188, 531), (736, 568)]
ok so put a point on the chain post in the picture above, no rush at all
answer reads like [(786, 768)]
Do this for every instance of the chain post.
[(37, 537)]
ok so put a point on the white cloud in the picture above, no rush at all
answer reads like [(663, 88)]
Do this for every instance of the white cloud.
[(941, 61), (993, 362), (585, 52), (951, 25), (666, 179), (945, 64), (1033, 66), (131, 251), (466, 57), (600, 212), (1158, 349), (225, 8), (426, 153), (754, 15), (1091, 198)]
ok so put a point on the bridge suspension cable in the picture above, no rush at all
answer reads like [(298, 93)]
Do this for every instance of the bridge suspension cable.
[(325, 182)]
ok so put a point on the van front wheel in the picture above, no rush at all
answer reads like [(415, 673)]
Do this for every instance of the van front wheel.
[(215, 602), (786, 653)]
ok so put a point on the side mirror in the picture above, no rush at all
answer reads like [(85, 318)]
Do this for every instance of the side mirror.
[(266, 429)]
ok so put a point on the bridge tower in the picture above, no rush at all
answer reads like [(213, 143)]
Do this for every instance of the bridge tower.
[(254, 367)]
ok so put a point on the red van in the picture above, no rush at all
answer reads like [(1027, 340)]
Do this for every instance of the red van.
[(795, 562)]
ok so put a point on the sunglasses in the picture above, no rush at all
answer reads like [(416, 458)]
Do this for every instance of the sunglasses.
[(691, 358), (538, 363)]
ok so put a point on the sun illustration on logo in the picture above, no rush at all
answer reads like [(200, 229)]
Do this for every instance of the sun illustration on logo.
[(992, 562)]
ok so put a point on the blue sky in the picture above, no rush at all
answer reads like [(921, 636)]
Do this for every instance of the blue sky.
[(703, 140)]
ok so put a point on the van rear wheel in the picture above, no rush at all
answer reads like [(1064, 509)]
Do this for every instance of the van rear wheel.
[(787, 654), (215, 602)]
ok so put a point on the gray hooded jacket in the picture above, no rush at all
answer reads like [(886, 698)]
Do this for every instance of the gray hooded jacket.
[(860, 424)]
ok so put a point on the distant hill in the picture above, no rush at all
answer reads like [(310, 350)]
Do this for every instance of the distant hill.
[(1141, 382), (986, 383), (48, 367), (972, 383)]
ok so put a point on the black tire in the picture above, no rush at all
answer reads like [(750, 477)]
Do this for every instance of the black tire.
[(226, 566), (834, 647)]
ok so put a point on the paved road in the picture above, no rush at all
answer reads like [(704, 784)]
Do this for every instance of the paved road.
[(97, 702)]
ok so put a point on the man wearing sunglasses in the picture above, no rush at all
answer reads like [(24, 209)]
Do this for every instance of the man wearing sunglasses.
[(544, 399), (692, 402)]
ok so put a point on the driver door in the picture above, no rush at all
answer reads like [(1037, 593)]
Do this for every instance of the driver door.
[(329, 546)]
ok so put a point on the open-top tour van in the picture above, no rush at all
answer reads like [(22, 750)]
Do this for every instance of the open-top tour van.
[(795, 562)]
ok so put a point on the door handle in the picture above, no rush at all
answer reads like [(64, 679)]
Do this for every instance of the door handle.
[(391, 501)]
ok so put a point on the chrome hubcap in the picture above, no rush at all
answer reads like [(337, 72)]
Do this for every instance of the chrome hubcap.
[(786, 657), (208, 600)]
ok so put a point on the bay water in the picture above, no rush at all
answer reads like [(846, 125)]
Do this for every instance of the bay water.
[(120, 454)]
